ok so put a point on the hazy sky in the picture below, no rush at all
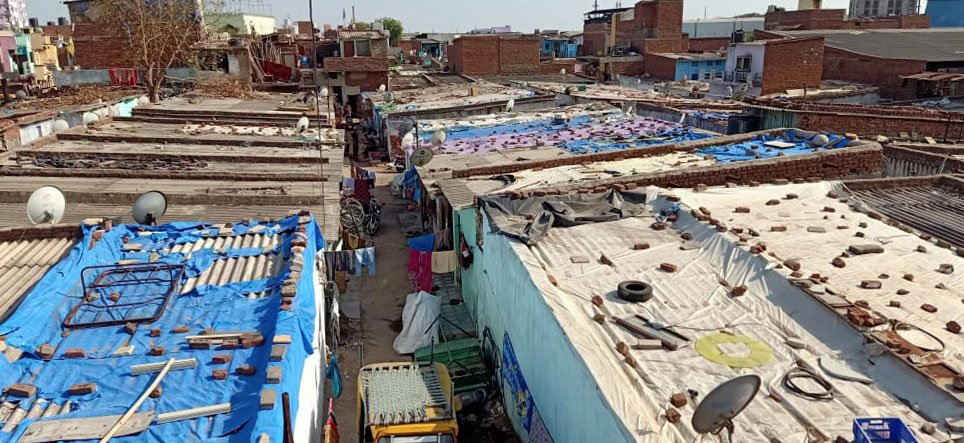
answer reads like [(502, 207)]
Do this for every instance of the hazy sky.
[(463, 15)]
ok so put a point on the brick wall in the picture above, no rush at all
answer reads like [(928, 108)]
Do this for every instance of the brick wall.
[(661, 67), (355, 64), (863, 158), (635, 67), (708, 44), (839, 64), (556, 65), (594, 37), (810, 19), (367, 81), (495, 55), (872, 125), (95, 48), (792, 64), (519, 55), (663, 17)]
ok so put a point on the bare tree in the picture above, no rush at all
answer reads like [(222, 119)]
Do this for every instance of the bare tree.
[(156, 34)]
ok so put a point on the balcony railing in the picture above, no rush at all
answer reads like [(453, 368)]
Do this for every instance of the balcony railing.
[(743, 77)]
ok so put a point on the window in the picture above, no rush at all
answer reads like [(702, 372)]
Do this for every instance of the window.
[(708, 75), (363, 48), (743, 63)]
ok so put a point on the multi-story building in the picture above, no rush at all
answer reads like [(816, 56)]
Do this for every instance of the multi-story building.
[(882, 8), (13, 13)]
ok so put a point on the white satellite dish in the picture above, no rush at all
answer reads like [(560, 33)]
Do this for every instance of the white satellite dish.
[(422, 156), (510, 105), (562, 71), (46, 205), (408, 141), (60, 125), (439, 137), (90, 117), (382, 88), (325, 92), (149, 207), (717, 410), (302, 126)]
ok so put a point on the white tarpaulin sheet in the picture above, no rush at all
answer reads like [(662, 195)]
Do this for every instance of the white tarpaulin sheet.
[(419, 322), (694, 301)]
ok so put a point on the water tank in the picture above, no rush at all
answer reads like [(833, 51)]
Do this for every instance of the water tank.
[(34, 22), (738, 36), (51, 23), (62, 21)]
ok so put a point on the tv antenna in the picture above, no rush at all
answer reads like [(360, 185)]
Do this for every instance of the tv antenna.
[(717, 410), (46, 205), (149, 207)]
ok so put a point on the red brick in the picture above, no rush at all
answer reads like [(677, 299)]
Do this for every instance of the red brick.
[(157, 351), (954, 327), (668, 267), (220, 374), (82, 389), (221, 359), (181, 330), (21, 390), (246, 370), (75, 353)]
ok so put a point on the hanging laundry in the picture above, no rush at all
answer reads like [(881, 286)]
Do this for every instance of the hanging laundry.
[(420, 270), (444, 262), (333, 373), (425, 243), (365, 258), (443, 240)]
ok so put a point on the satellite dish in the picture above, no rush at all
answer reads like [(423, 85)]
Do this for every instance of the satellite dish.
[(408, 141), (90, 117), (325, 92), (562, 71), (46, 205), (60, 125), (439, 137), (381, 88), (720, 406), (422, 156), (525, 84), (510, 105), (303, 124), (143, 100), (149, 207)]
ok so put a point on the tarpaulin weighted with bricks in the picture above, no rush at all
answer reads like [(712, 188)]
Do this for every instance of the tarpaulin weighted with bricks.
[(226, 307), (530, 219)]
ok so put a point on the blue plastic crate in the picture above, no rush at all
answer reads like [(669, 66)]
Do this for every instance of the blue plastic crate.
[(882, 430)]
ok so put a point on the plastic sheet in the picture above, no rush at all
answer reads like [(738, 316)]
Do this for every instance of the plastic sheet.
[(224, 307), (757, 148), (580, 135)]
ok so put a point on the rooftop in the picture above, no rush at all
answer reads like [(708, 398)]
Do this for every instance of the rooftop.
[(786, 320), (190, 288), (931, 45)]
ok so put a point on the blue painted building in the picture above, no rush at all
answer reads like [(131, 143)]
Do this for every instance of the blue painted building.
[(686, 66), (946, 13), (558, 47)]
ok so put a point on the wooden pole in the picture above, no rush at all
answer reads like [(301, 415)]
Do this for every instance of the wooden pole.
[(137, 404)]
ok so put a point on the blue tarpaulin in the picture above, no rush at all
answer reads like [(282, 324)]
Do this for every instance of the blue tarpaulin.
[(229, 307), (757, 148)]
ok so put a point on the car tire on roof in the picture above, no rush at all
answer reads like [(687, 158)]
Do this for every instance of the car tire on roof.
[(635, 291)]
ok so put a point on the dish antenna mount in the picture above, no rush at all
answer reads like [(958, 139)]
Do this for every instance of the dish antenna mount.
[(46, 205), (717, 410), (149, 208)]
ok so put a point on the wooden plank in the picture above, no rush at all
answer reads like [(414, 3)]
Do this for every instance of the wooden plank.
[(635, 325), (137, 403), (89, 428)]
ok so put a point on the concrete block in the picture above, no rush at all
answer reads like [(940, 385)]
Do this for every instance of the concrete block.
[(124, 351), (278, 352), (268, 398), (274, 375)]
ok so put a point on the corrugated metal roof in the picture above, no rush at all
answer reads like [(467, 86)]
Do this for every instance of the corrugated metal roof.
[(237, 269), (24, 262), (932, 45)]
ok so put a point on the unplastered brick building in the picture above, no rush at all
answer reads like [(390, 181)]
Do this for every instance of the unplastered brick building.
[(495, 54)]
